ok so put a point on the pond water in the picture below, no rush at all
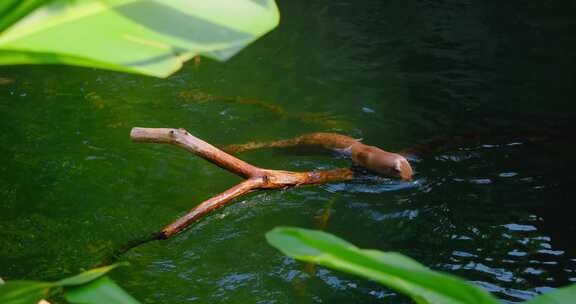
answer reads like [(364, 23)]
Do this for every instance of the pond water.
[(493, 209)]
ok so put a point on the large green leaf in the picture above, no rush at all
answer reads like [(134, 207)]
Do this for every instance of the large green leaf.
[(100, 291), (391, 269), (565, 295), (87, 276), (152, 37), (23, 292), (89, 285), (13, 10)]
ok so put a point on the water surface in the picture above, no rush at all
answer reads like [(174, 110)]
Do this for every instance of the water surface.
[(493, 209)]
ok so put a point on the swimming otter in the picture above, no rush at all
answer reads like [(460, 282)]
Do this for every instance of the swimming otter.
[(372, 158)]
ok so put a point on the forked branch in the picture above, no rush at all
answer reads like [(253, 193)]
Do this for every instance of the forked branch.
[(255, 178)]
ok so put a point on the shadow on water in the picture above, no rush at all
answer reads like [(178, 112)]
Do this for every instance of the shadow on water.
[(117, 254)]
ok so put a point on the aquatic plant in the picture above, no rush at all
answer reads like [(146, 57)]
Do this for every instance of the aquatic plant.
[(146, 37), (392, 269), (89, 287)]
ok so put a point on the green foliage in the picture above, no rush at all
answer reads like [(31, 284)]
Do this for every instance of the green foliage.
[(13, 10), (24, 292), (100, 291), (391, 269), (89, 287), (152, 37), (87, 276), (565, 295)]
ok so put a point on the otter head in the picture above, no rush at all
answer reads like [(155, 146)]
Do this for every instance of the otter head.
[(381, 162)]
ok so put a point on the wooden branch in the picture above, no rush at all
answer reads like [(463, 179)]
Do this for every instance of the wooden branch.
[(209, 205), (255, 178), (183, 139)]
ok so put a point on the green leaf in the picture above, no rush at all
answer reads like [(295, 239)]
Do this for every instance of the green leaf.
[(565, 295), (91, 286), (87, 276), (101, 291), (23, 292), (391, 269), (152, 37), (13, 10)]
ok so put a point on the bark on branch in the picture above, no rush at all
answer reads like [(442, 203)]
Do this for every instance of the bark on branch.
[(255, 178), (187, 141)]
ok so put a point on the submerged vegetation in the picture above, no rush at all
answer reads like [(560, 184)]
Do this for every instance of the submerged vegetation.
[(323, 119)]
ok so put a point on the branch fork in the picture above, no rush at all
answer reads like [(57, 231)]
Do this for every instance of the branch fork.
[(255, 178)]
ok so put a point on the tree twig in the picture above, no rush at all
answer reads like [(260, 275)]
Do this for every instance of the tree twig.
[(255, 178)]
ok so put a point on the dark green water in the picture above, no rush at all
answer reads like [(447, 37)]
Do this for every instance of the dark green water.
[(395, 73)]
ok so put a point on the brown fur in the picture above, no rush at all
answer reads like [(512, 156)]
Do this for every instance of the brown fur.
[(372, 158), (382, 162)]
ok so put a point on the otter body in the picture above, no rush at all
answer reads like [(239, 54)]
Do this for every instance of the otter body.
[(370, 157), (381, 162)]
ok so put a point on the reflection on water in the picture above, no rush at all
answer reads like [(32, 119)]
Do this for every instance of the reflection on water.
[(370, 184), (490, 204)]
